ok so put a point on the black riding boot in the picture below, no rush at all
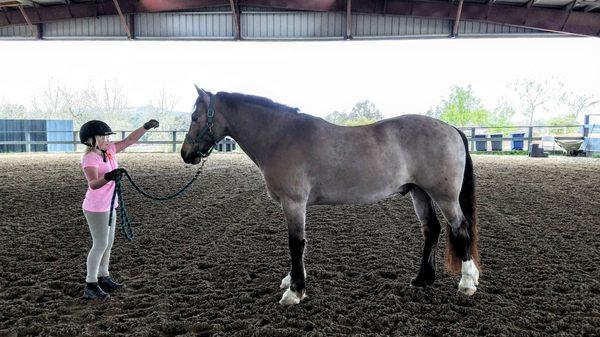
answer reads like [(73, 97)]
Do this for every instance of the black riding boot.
[(108, 284), (93, 291)]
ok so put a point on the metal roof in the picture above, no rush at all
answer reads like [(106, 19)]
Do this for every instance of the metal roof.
[(580, 17)]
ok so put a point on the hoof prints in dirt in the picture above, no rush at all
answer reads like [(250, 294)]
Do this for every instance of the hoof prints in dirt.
[(210, 263)]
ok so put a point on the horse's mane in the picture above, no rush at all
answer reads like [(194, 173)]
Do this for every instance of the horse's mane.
[(236, 98)]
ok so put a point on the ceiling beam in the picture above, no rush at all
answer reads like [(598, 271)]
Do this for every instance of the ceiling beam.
[(591, 7), (69, 8), (489, 8), (10, 4), (236, 20), (37, 11), (348, 20), (556, 20), (123, 20), (6, 16), (569, 9), (457, 20), (31, 27)]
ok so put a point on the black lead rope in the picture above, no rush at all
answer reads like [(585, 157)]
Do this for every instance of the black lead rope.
[(126, 228)]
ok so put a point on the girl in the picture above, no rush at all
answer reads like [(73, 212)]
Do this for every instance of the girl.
[(100, 167)]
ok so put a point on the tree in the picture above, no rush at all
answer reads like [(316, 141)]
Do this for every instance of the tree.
[(433, 113), (164, 109), (110, 101), (56, 100), (365, 110), (462, 108), (578, 104), (12, 111), (359, 121), (48, 101), (534, 94), (501, 116), (337, 117), (78, 103)]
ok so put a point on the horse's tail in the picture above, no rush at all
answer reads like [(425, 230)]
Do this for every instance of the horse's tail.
[(467, 205)]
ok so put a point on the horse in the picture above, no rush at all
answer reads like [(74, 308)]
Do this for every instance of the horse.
[(306, 160)]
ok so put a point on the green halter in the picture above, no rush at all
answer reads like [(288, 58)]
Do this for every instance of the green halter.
[(207, 129)]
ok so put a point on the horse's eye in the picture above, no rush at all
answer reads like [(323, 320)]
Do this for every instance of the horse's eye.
[(194, 118)]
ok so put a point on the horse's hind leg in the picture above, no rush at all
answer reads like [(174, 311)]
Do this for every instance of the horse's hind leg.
[(459, 243), (431, 231), (295, 217)]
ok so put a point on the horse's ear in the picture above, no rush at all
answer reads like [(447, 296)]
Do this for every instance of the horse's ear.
[(202, 93)]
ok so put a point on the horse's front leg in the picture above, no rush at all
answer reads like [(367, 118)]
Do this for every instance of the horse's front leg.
[(295, 214)]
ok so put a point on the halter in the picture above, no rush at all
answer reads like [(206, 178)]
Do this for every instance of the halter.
[(210, 113)]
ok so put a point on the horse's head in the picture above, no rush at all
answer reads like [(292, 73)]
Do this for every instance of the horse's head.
[(207, 128)]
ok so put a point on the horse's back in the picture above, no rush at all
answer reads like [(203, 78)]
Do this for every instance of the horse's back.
[(367, 163)]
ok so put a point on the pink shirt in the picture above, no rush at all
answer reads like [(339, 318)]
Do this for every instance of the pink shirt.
[(99, 200)]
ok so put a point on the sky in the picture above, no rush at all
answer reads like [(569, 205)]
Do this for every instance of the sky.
[(398, 76)]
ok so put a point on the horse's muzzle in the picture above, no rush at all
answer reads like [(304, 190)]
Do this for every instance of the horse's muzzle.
[(190, 157)]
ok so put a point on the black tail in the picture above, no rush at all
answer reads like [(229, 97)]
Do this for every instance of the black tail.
[(467, 205)]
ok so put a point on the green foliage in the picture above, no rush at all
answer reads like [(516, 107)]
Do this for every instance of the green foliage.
[(337, 117), (565, 119), (504, 153), (363, 112), (359, 121), (462, 109), (13, 111)]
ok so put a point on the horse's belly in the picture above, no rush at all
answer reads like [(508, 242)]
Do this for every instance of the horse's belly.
[(352, 195)]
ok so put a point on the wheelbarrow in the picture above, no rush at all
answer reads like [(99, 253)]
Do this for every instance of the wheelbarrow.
[(570, 146)]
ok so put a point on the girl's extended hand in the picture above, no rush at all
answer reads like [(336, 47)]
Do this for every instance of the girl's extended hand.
[(151, 124)]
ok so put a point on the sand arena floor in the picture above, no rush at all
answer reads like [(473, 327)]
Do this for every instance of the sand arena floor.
[(210, 263)]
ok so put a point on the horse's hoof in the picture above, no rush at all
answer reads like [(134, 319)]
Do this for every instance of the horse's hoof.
[(469, 279), (467, 286), (291, 297), (467, 291), (285, 282)]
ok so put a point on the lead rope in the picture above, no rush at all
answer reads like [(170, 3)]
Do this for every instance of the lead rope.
[(126, 228)]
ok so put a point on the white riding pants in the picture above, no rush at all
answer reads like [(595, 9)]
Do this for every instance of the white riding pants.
[(102, 237)]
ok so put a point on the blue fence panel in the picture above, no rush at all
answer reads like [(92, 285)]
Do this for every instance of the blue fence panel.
[(60, 130), (38, 128), (12, 125)]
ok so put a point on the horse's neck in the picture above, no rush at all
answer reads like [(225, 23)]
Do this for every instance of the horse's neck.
[(256, 129)]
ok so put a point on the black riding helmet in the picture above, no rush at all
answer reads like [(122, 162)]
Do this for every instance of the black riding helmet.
[(93, 128)]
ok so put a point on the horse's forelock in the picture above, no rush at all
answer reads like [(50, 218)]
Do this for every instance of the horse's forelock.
[(198, 100)]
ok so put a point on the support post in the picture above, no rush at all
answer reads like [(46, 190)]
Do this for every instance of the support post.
[(236, 20), (27, 139), (348, 20), (75, 141), (123, 21), (457, 20), (174, 141), (26, 17), (586, 126)]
